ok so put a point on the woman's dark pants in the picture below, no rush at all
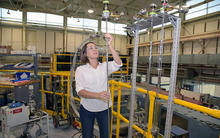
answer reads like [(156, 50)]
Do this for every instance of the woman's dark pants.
[(87, 119)]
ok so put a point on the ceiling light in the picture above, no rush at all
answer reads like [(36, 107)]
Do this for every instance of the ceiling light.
[(90, 11)]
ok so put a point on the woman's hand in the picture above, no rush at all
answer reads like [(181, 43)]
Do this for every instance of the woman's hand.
[(108, 38), (104, 96)]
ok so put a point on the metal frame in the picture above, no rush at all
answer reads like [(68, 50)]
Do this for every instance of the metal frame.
[(116, 87), (145, 24)]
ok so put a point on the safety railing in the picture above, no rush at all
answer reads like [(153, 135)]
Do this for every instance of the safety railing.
[(117, 86), (212, 112), (63, 92)]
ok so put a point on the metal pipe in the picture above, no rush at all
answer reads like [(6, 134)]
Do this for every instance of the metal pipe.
[(62, 91), (155, 129), (42, 88), (148, 72), (134, 72), (128, 122), (106, 56), (151, 115), (106, 16), (68, 93)]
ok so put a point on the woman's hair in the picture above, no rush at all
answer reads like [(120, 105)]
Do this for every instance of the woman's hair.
[(83, 54)]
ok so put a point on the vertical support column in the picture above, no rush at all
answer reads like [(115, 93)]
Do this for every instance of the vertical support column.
[(24, 31), (173, 74), (134, 72), (118, 112), (151, 113), (42, 91), (65, 34), (68, 93), (63, 94), (35, 66), (182, 16), (36, 85)]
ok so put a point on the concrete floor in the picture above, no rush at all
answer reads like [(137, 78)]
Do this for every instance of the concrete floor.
[(63, 132)]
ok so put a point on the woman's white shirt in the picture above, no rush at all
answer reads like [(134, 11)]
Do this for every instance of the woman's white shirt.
[(94, 80)]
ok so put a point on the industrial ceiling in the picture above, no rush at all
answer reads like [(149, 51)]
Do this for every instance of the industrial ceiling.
[(79, 8)]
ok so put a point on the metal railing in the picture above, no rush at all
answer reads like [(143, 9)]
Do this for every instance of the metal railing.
[(117, 86), (212, 112)]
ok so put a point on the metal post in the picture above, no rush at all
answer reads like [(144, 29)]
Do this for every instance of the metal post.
[(173, 75), (148, 73), (134, 72), (35, 67)]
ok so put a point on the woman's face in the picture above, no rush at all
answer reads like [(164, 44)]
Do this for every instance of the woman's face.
[(92, 51)]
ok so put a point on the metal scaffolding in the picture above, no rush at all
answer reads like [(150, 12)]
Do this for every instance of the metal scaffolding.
[(158, 19)]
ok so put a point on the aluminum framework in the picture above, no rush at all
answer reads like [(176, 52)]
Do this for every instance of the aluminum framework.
[(145, 24)]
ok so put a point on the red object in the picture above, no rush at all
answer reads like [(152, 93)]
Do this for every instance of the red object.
[(76, 124), (17, 111)]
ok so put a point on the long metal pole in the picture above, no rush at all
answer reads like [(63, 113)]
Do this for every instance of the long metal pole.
[(159, 72), (148, 73), (106, 42), (134, 72), (173, 74), (160, 59)]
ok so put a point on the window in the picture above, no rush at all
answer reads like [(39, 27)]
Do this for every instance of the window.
[(119, 29), (111, 27), (54, 19), (11, 15), (91, 24), (193, 2), (75, 22), (197, 11), (43, 18), (203, 9), (36, 17), (114, 28), (213, 6), (82, 23)]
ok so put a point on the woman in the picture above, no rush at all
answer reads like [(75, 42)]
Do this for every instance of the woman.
[(91, 86)]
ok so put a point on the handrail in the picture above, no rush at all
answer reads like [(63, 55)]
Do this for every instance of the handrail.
[(212, 112)]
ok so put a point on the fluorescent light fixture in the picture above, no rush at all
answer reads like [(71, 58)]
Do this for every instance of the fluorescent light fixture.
[(90, 11)]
